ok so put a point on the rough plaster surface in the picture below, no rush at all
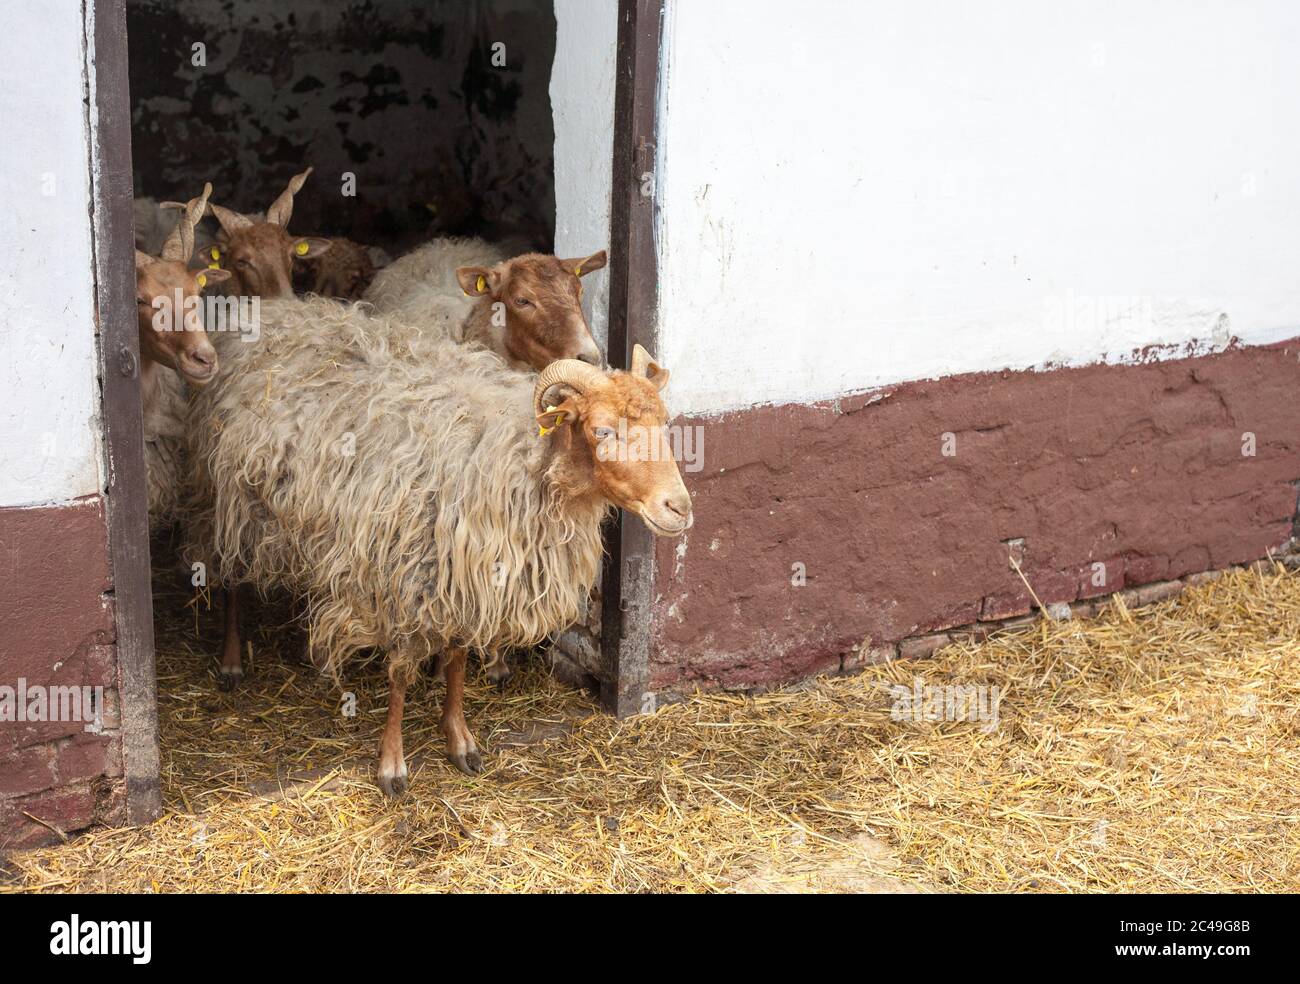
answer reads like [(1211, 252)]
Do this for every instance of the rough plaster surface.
[(1137, 468), (56, 629), (49, 431), (859, 194)]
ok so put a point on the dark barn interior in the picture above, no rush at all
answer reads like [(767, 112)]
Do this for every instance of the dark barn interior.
[(439, 109), (403, 94)]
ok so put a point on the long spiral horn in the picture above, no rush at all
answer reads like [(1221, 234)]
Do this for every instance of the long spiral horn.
[(180, 244), (282, 207), (582, 376)]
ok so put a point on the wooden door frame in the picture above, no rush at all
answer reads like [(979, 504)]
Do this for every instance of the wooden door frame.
[(126, 498), (628, 581)]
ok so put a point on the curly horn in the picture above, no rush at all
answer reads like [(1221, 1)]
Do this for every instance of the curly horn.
[(581, 376), (282, 207), (180, 244)]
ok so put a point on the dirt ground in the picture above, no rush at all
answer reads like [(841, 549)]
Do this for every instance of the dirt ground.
[(1151, 750)]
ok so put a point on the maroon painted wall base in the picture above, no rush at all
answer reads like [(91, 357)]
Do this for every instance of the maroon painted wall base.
[(57, 630), (891, 515)]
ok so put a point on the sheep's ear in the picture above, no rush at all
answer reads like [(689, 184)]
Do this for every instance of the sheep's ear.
[(556, 416), (644, 365), (310, 247), (584, 265), (477, 281), (210, 276), (142, 260)]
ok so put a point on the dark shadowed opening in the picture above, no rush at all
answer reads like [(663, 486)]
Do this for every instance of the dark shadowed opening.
[(403, 94)]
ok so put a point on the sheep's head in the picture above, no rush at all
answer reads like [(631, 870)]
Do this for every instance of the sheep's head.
[(260, 254), (343, 272), (536, 307), (619, 420), (168, 302)]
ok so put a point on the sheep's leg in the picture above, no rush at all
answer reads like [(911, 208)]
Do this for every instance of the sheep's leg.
[(461, 749), (498, 670), (392, 756), (231, 671)]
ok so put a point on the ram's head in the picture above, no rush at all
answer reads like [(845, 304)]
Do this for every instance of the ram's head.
[(619, 420)]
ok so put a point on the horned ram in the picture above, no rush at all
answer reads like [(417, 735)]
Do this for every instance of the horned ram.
[(426, 501)]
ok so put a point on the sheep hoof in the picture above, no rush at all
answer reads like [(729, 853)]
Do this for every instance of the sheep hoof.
[(229, 679), (394, 786), (470, 763)]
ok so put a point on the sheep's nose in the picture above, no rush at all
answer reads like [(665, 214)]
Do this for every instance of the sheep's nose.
[(591, 357), (204, 356), (678, 503)]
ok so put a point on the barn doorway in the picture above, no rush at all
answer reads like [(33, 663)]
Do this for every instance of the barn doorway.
[(496, 118)]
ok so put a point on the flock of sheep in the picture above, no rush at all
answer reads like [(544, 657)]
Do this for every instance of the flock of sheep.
[(422, 457)]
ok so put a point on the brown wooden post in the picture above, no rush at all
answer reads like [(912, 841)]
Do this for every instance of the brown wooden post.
[(127, 503), (628, 580)]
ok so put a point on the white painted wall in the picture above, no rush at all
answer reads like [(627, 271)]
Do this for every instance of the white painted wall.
[(855, 194), (49, 428), (582, 101)]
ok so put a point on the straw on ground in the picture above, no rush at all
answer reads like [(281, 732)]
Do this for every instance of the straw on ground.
[(1148, 750)]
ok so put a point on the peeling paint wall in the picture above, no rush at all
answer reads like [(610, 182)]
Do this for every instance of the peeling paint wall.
[(854, 195), (49, 399), (61, 767), (830, 533), (403, 94)]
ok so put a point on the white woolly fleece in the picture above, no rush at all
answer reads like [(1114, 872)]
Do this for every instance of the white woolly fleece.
[(408, 499)]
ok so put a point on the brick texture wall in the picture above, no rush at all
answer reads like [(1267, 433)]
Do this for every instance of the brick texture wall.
[(1154, 471), (56, 630)]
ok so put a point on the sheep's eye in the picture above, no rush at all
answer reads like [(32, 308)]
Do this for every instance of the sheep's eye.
[(523, 302), (604, 433)]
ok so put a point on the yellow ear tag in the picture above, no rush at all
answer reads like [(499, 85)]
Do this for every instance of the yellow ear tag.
[(481, 284), (559, 419), (203, 279), (577, 271), (301, 249), (214, 266), (215, 253)]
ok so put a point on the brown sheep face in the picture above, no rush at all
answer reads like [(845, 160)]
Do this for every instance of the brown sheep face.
[(168, 304), (260, 254), (619, 420), (536, 305), (260, 258)]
